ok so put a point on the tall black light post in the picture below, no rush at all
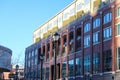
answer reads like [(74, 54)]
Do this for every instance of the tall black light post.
[(17, 68), (55, 37), (41, 60)]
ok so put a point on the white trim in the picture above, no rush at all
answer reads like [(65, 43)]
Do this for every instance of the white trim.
[(117, 36), (111, 72), (117, 23), (117, 70), (117, 17)]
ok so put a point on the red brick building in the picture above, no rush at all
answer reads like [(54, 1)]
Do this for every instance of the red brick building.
[(88, 49)]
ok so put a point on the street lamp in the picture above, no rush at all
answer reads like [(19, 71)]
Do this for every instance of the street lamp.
[(41, 60), (17, 68), (55, 37)]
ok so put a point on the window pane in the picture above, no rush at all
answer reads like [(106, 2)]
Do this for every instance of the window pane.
[(78, 66), (107, 61), (64, 69), (118, 12), (107, 18), (71, 67), (96, 23), (107, 33), (86, 27), (118, 29), (86, 64), (87, 41), (96, 37), (96, 62), (118, 58)]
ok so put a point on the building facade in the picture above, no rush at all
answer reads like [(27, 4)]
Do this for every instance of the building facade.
[(89, 45), (5, 60)]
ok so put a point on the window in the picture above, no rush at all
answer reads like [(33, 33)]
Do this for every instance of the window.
[(29, 63), (36, 52), (118, 57), (107, 33), (86, 64), (78, 66), (107, 61), (78, 39), (118, 29), (107, 18), (60, 19), (86, 27), (55, 22), (71, 42), (48, 51), (32, 53), (64, 69), (96, 37), (64, 49), (35, 61), (66, 15), (71, 68), (118, 12), (96, 23), (96, 62), (78, 6), (72, 11), (87, 41), (47, 73), (29, 55)]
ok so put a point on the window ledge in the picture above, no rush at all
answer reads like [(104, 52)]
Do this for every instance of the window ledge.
[(107, 39), (117, 70), (107, 22), (78, 51), (96, 43), (87, 46), (71, 54), (71, 77), (96, 27), (109, 72)]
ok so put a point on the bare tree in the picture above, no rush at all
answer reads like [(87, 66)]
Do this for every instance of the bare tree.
[(18, 59)]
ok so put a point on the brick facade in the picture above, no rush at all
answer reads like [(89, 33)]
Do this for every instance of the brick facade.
[(102, 46)]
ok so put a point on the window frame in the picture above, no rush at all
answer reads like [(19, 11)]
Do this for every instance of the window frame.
[(107, 33), (118, 12), (118, 29), (118, 58), (107, 18), (106, 60), (87, 41), (87, 63), (96, 40), (87, 27), (71, 69), (96, 23), (78, 67), (96, 57), (64, 69)]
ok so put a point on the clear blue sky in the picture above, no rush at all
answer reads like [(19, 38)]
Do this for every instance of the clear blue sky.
[(19, 18)]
